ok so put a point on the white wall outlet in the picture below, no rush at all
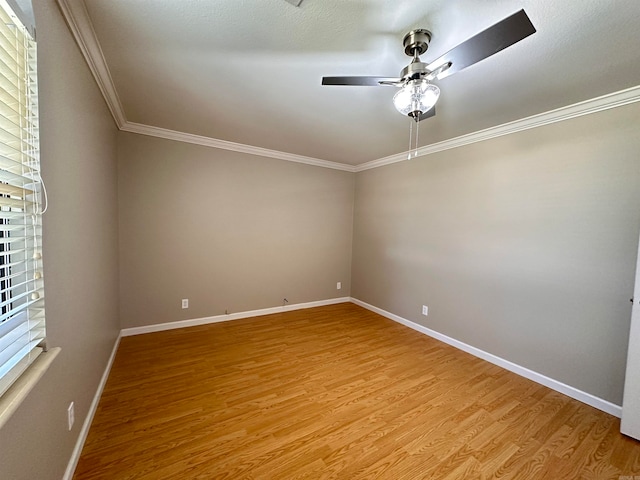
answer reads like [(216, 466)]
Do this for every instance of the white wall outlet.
[(71, 417), (339, 286), (185, 303), (425, 310)]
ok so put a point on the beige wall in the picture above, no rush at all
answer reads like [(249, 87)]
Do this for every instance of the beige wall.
[(80, 255), (228, 231), (523, 246)]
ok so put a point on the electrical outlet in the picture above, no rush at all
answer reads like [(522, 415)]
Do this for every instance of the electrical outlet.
[(185, 303), (338, 285), (425, 310), (71, 417)]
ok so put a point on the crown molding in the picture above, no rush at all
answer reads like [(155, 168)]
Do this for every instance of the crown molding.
[(598, 104), (79, 22), (235, 147), (77, 18)]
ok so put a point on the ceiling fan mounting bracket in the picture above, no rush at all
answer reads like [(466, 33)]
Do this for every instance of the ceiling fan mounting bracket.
[(416, 42)]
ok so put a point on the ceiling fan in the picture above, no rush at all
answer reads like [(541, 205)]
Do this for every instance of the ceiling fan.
[(417, 95)]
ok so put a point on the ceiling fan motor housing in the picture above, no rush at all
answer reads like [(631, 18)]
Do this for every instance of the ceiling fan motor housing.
[(414, 71), (416, 41)]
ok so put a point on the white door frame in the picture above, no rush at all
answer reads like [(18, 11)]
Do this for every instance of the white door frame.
[(631, 403)]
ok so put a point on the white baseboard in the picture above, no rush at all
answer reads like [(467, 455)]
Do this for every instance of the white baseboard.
[(568, 390), (82, 437), (126, 332)]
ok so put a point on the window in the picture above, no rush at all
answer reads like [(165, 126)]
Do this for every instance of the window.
[(22, 329)]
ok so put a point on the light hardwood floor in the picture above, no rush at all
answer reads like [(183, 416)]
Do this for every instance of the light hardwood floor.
[(336, 392)]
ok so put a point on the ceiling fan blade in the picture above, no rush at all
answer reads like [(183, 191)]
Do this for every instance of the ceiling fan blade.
[(492, 40), (428, 114), (359, 81)]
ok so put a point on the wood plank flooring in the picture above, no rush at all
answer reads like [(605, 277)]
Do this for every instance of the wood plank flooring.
[(336, 392)]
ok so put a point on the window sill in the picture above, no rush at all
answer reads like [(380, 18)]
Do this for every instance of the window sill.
[(11, 400)]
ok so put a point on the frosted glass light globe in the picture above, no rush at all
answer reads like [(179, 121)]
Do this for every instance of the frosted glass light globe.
[(416, 98)]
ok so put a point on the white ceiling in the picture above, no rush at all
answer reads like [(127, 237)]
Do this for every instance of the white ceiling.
[(249, 71)]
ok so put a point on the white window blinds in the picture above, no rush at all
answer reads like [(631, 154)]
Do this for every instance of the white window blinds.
[(21, 284)]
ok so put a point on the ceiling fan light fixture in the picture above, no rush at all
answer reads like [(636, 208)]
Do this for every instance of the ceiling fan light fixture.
[(416, 97)]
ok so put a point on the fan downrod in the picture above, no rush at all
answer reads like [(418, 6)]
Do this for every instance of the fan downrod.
[(416, 42)]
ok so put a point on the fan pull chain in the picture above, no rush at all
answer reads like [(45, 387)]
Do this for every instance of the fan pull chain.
[(413, 147), (415, 152), (410, 135)]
